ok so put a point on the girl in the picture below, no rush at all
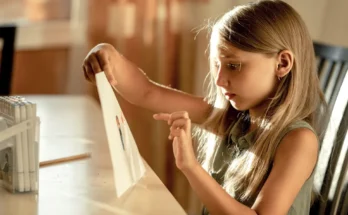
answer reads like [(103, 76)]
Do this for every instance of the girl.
[(263, 110)]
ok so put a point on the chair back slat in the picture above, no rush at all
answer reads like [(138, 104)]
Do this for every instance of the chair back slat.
[(332, 65), (344, 208), (333, 161), (8, 35), (342, 180)]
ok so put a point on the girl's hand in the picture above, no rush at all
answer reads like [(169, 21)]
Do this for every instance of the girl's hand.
[(102, 57), (180, 133)]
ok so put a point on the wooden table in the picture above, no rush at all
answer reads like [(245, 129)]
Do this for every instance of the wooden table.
[(73, 125)]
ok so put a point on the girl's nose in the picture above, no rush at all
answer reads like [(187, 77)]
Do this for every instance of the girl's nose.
[(221, 79)]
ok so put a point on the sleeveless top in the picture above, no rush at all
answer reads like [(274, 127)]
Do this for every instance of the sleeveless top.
[(225, 154)]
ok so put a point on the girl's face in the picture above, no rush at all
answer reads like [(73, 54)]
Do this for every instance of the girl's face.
[(246, 79)]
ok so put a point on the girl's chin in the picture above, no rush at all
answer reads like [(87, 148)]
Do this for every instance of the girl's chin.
[(238, 106)]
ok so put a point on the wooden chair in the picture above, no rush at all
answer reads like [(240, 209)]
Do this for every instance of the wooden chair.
[(332, 62), (7, 34)]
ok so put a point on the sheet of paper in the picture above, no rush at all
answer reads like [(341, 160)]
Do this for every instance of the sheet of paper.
[(126, 160)]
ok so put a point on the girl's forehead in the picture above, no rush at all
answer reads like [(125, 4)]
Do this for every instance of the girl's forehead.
[(219, 46), (224, 49)]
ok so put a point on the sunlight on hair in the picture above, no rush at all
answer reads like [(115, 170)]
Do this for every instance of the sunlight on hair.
[(220, 101), (214, 40), (209, 150), (248, 165), (247, 159), (265, 124)]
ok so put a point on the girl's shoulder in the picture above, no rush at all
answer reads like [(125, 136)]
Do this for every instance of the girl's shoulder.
[(299, 135), (298, 131), (300, 124), (297, 125), (299, 144)]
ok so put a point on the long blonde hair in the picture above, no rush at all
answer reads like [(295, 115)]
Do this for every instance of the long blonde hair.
[(264, 27)]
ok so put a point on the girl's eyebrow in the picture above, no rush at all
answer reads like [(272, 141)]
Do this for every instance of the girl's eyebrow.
[(229, 57), (227, 54)]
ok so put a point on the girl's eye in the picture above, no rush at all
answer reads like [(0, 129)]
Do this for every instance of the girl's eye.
[(234, 66)]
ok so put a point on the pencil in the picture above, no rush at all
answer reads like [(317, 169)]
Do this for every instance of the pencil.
[(65, 159)]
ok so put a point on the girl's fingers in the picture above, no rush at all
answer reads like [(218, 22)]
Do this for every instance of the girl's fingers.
[(171, 117), (181, 123), (104, 63), (94, 63), (90, 73), (177, 133), (85, 73), (177, 120), (162, 116), (179, 114)]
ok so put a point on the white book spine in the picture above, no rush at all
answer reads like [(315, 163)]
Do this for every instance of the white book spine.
[(19, 152), (25, 148), (20, 185), (31, 114)]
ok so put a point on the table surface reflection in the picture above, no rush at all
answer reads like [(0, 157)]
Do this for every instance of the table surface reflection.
[(73, 125)]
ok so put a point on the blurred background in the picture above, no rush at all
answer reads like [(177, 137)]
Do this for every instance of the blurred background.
[(160, 36)]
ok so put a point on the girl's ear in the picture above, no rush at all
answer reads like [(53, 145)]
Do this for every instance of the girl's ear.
[(285, 63)]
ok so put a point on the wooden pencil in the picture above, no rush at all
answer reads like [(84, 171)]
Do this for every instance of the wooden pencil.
[(65, 159)]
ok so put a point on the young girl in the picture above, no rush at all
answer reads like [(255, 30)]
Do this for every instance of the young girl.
[(263, 108)]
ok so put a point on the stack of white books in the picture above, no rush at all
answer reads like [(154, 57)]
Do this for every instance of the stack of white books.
[(19, 145)]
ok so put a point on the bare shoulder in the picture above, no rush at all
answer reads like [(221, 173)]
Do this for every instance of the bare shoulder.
[(296, 155), (299, 146)]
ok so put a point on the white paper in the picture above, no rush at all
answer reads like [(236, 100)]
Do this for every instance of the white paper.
[(127, 163)]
